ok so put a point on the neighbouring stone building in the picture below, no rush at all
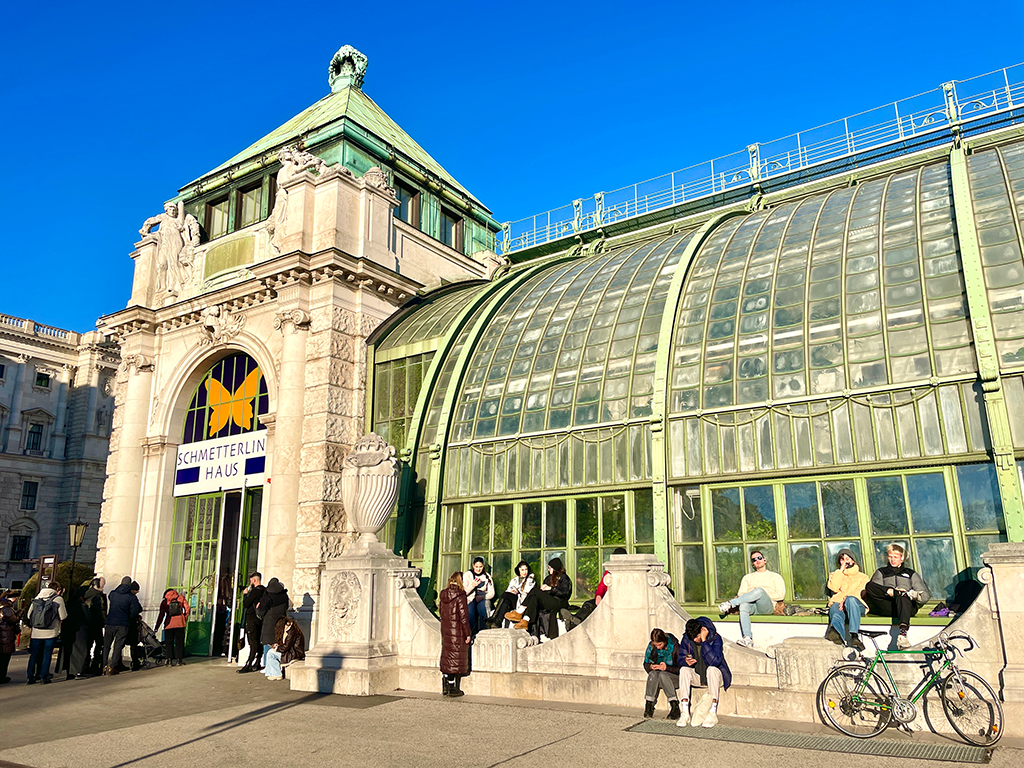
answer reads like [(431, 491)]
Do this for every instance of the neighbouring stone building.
[(56, 405)]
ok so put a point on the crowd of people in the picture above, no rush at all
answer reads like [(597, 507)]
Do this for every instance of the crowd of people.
[(273, 638)]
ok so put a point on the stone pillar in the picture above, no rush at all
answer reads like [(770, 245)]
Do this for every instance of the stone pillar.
[(1006, 559), (278, 558), (94, 391), (121, 515), (12, 437), (59, 436)]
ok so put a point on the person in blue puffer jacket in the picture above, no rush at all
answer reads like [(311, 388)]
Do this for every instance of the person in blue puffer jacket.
[(701, 656)]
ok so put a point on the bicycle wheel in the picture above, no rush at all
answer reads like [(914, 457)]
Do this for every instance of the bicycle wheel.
[(855, 702), (972, 708)]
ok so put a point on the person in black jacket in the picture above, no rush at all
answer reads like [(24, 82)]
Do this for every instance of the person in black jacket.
[(253, 626), (552, 596), (271, 607), (898, 591), (124, 610)]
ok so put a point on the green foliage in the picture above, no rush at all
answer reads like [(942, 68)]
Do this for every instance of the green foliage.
[(83, 574), (762, 529)]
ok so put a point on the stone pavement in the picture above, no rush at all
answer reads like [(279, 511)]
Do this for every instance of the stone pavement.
[(206, 714)]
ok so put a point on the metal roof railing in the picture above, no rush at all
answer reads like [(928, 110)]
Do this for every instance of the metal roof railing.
[(930, 112)]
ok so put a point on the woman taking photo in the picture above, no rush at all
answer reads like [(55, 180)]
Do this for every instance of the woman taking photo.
[(455, 636)]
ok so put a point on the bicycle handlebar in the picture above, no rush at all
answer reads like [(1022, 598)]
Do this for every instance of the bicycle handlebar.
[(947, 643)]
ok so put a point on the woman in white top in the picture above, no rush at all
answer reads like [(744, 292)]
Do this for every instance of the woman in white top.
[(513, 600), (479, 588)]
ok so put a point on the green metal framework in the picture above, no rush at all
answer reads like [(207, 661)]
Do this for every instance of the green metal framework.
[(862, 337)]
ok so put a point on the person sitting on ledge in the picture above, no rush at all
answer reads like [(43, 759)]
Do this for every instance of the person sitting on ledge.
[(701, 657), (898, 591), (479, 588), (551, 596), (512, 603), (759, 591), (661, 663), (289, 646), (845, 607)]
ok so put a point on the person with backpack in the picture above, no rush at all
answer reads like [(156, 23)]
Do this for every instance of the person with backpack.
[(174, 608), (45, 613), (124, 610)]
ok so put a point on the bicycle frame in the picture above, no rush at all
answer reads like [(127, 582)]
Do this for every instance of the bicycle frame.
[(919, 690)]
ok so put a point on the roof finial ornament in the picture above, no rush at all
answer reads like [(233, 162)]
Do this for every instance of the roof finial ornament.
[(347, 69)]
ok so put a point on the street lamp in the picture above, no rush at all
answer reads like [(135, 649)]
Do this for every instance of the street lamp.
[(76, 531)]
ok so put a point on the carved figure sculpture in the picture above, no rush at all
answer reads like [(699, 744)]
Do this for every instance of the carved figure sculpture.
[(293, 162), (176, 238), (218, 328)]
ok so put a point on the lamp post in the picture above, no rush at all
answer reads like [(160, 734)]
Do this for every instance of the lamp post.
[(76, 532)]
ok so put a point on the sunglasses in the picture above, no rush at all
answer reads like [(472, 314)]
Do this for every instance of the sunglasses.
[(756, 559)]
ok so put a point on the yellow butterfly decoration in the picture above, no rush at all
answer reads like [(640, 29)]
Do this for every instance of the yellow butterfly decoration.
[(226, 405)]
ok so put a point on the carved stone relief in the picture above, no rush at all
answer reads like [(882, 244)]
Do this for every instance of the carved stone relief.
[(345, 595), (298, 319), (218, 326), (176, 239)]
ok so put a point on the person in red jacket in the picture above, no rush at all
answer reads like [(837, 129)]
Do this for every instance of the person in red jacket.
[(174, 607), (455, 636)]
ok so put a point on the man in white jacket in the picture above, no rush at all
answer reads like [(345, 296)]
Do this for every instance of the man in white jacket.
[(759, 591), (44, 616)]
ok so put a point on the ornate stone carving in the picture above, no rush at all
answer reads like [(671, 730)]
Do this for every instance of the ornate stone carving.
[(377, 178), (293, 162), (176, 239), (107, 386), (495, 265), (347, 68), (219, 326), (345, 594), (138, 363), (369, 484), (297, 318)]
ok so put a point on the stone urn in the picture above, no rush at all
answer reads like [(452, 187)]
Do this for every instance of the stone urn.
[(369, 485)]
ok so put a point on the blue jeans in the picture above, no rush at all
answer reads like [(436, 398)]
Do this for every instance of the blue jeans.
[(753, 602), (273, 663), (266, 650), (40, 652), (477, 615), (852, 614)]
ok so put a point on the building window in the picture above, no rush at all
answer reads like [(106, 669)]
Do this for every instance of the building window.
[(217, 218), (29, 491), (21, 547), (249, 205), (451, 230), (408, 204), (3, 370), (34, 439), (42, 379)]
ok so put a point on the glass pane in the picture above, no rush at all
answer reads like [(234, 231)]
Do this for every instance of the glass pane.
[(888, 508), (691, 586), (802, 511), (588, 573), (643, 513), (808, 571), (501, 570), (449, 565), (533, 558), (937, 565), (759, 506), (979, 497), (554, 524), (725, 509), (531, 526), (613, 520), (502, 527), (453, 530), (481, 536), (586, 522), (929, 509), (730, 566), (840, 507), (686, 508), (977, 546)]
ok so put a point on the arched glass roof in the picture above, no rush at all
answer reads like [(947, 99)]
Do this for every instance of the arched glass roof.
[(431, 320), (575, 345), (857, 288)]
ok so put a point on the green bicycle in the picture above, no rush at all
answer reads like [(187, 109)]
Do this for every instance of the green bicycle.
[(857, 699)]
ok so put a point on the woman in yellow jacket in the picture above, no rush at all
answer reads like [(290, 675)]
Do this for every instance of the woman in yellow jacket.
[(846, 607)]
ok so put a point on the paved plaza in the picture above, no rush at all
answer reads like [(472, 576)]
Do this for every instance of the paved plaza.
[(205, 714)]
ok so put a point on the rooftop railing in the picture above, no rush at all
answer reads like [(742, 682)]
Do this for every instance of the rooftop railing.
[(38, 329), (955, 103)]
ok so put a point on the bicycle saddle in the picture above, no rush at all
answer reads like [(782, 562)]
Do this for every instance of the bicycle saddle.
[(868, 633)]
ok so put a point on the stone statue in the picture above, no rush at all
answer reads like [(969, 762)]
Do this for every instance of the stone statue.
[(293, 162), (176, 239)]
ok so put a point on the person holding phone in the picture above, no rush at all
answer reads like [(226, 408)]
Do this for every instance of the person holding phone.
[(845, 606), (661, 663), (479, 588), (898, 591), (512, 603), (702, 658)]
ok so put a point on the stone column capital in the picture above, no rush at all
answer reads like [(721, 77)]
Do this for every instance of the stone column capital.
[(297, 319)]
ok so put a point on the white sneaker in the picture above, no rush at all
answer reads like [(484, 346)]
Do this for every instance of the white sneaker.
[(684, 718), (724, 608), (746, 642), (711, 720), (903, 643)]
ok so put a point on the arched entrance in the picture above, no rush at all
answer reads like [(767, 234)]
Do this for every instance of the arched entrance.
[(218, 489)]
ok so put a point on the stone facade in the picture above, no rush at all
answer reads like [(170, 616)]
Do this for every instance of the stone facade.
[(56, 406)]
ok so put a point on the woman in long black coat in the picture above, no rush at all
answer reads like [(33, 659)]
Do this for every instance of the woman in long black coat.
[(455, 636)]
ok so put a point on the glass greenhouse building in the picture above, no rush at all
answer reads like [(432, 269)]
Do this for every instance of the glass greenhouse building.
[(801, 367)]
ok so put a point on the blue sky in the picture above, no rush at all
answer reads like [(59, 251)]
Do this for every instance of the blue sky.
[(109, 108)]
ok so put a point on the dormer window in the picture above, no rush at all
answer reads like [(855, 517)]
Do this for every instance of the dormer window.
[(249, 205), (217, 217), (408, 204), (451, 229)]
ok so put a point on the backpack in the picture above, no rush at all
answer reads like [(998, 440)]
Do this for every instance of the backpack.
[(45, 613), (174, 608)]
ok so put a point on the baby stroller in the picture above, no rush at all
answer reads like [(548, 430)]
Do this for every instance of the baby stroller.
[(151, 644)]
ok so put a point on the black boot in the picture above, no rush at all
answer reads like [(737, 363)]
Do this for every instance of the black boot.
[(673, 713), (445, 686), (456, 687), (245, 669), (649, 709)]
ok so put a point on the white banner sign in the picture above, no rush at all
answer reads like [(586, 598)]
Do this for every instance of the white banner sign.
[(222, 464)]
